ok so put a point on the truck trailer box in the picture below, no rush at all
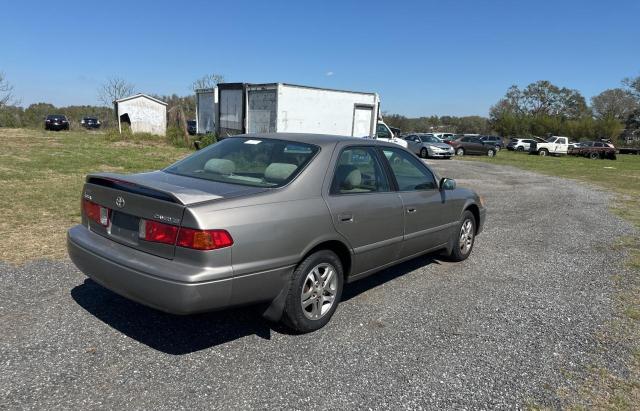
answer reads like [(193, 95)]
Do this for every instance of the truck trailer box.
[(288, 108), (206, 110)]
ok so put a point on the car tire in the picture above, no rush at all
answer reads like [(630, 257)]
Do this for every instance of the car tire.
[(306, 287), (424, 153), (594, 156), (519, 148), (460, 151), (497, 149), (543, 153), (466, 229), (491, 153)]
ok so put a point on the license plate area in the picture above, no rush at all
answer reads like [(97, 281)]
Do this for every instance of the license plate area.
[(125, 227)]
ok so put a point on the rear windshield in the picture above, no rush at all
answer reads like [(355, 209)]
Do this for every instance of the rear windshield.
[(254, 162), (55, 117)]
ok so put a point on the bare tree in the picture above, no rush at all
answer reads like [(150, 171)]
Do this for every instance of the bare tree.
[(6, 91), (113, 89), (207, 81)]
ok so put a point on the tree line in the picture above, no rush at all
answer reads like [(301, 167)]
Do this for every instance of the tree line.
[(541, 109), (114, 88)]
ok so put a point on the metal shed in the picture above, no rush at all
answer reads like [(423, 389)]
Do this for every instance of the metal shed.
[(143, 113)]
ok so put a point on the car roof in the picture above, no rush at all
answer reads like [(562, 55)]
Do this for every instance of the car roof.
[(316, 139)]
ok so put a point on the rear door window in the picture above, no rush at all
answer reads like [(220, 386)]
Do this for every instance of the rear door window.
[(359, 171), (409, 172)]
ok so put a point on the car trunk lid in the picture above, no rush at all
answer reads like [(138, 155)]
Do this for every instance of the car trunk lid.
[(156, 196)]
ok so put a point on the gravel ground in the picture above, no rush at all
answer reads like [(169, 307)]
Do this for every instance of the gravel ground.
[(499, 330)]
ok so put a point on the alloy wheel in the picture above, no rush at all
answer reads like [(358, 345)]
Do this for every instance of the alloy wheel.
[(466, 236), (319, 291)]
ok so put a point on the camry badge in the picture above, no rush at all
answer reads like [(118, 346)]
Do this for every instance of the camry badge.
[(120, 201)]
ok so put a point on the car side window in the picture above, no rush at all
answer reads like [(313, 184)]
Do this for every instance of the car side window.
[(358, 171), (410, 173), (382, 132)]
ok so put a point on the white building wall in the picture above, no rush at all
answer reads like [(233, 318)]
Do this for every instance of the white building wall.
[(146, 116), (309, 110)]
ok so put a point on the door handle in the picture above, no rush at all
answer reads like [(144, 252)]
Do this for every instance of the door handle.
[(411, 210), (346, 218)]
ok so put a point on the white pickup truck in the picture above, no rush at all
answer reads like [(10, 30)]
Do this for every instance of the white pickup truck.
[(554, 145)]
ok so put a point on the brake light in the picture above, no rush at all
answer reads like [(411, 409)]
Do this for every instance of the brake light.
[(96, 212), (158, 232), (204, 239)]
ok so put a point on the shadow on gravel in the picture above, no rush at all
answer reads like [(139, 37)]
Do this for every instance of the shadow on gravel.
[(178, 335), (355, 289), (171, 334)]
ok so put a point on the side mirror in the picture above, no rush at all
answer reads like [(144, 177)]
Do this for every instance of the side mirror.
[(447, 184)]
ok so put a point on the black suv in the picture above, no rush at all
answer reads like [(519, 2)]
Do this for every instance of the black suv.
[(90, 122), (56, 122), (493, 140)]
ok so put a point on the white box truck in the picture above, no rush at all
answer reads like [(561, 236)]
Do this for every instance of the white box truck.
[(288, 108)]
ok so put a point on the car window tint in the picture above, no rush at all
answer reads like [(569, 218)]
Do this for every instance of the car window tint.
[(465, 139), (247, 161), (410, 174), (358, 171)]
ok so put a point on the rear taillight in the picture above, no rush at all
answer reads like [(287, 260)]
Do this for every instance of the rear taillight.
[(158, 232), (184, 237), (96, 212), (204, 239)]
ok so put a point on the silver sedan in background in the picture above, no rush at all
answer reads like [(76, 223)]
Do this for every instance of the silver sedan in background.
[(428, 145), (281, 219)]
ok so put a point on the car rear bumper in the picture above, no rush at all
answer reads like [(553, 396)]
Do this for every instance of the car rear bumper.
[(108, 264)]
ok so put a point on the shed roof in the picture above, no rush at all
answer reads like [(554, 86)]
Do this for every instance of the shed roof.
[(139, 95)]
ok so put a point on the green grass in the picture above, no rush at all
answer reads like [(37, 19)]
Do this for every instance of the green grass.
[(41, 176), (603, 388)]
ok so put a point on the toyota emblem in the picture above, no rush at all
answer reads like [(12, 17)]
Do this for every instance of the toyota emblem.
[(120, 201)]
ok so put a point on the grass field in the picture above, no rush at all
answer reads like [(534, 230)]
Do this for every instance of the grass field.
[(41, 175), (603, 389)]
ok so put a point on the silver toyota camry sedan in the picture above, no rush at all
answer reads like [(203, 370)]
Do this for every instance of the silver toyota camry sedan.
[(282, 219)]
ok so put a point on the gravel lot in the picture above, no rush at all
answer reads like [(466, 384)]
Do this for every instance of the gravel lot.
[(501, 330)]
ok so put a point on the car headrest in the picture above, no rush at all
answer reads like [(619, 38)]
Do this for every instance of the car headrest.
[(279, 172), (348, 177), (220, 166)]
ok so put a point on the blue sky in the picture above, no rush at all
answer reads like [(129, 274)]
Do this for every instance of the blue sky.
[(422, 57)]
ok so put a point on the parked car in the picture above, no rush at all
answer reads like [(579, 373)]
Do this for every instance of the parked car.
[(471, 145), (520, 144), (496, 141), (252, 219), (428, 145), (56, 122), (554, 145), (594, 150), (90, 122), (191, 127)]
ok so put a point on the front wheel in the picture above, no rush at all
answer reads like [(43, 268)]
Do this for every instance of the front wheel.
[(497, 148), (314, 292), (594, 156), (464, 237), (491, 153), (520, 148), (543, 153), (424, 153), (460, 152)]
